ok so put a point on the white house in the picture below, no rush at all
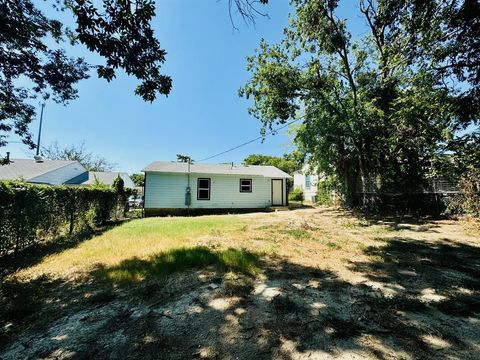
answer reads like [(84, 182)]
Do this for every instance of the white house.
[(182, 186), (105, 177), (58, 172), (307, 181), (39, 171)]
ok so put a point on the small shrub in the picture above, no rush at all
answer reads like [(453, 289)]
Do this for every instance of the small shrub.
[(296, 195), (470, 187)]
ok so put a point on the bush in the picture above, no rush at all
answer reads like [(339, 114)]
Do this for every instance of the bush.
[(296, 195), (325, 190), (32, 213), (470, 187)]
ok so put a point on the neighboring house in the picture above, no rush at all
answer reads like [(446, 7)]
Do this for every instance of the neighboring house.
[(175, 185), (105, 177), (58, 172), (307, 180), (39, 171)]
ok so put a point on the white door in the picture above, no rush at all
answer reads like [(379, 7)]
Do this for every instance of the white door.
[(277, 192)]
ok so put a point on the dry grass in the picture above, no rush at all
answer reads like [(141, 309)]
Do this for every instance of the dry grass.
[(309, 283)]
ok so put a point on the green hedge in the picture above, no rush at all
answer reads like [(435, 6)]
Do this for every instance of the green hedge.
[(33, 213)]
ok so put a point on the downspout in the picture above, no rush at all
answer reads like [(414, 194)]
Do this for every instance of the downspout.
[(287, 187), (144, 192)]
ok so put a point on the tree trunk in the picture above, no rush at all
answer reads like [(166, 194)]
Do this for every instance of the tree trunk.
[(363, 179)]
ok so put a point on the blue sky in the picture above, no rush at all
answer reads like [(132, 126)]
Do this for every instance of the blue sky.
[(202, 116)]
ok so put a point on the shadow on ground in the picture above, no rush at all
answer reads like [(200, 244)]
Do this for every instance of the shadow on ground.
[(193, 303), (392, 222)]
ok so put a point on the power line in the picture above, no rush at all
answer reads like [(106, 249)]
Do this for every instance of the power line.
[(250, 141)]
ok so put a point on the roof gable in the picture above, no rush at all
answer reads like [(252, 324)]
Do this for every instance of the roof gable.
[(28, 169)]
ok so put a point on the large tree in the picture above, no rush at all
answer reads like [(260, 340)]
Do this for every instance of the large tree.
[(376, 108), (138, 179), (288, 162), (35, 65)]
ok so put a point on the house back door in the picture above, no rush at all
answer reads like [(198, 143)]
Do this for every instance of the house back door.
[(277, 192)]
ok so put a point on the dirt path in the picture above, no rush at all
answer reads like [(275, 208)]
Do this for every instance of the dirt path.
[(333, 286)]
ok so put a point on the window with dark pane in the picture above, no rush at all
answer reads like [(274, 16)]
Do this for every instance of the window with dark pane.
[(245, 185), (203, 189)]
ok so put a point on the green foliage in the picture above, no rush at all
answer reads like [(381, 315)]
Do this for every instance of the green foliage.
[(119, 188), (184, 158), (325, 189), (138, 179), (33, 213), (470, 187), (31, 48), (296, 195), (118, 185), (374, 106), (288, 162)]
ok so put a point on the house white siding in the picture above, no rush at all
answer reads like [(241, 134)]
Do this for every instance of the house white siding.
[(60, 175), (167, 191), (306, 180)]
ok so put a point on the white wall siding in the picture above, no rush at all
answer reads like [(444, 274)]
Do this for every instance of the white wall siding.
[(225, 193), (165, 191), (299, 182), (168, 191), (61, 175)]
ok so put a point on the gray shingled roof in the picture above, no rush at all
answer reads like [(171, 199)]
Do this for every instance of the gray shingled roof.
[(221, 169), (27, 169)]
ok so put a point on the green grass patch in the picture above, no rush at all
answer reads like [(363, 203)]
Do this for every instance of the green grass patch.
[(352, 224), (333, 245), (176, 260), (379, 231), (361, 247), (296, 233), (265, 227)]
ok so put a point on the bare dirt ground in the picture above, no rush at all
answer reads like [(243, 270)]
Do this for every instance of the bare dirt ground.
[(333, 286)]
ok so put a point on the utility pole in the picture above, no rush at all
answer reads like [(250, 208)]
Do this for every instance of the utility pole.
[(40, 130)]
